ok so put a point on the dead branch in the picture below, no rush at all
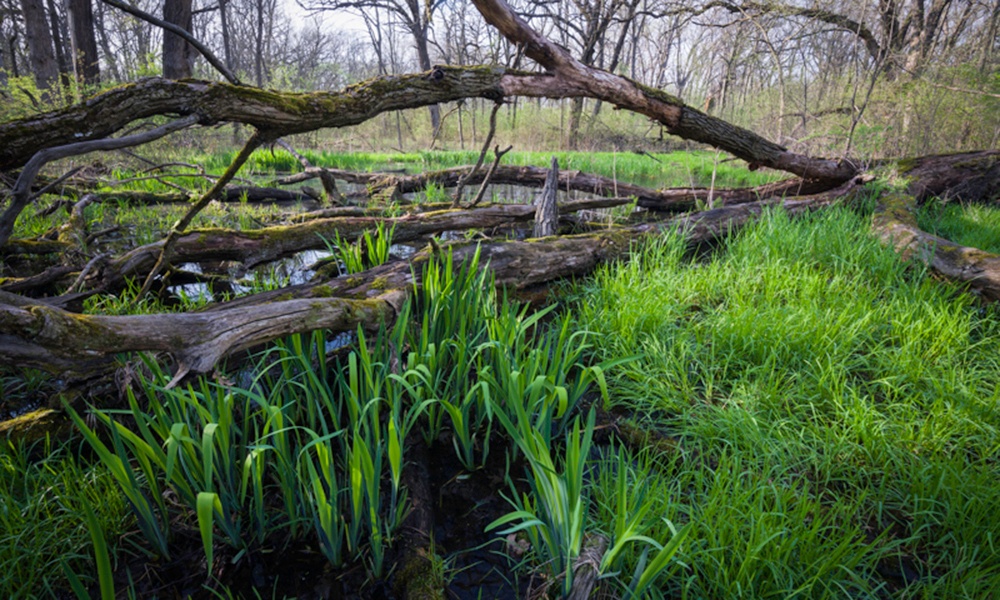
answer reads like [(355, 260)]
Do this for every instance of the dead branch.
[(490, 173), (457, 197), (21, 194), (252, 144)]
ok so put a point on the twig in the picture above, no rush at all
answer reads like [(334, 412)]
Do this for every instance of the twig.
[(457, 198), (78, 283), (437, 132), (489, 174), (47, 188)]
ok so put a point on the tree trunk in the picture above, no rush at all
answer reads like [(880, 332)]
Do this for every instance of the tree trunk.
[(57, 40), (40, 49), (178, 55), (424, 57), (86, 64)]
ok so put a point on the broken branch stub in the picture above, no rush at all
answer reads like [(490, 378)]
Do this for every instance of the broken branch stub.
[(546, 215)]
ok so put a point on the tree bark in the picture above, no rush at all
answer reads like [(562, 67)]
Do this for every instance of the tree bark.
[(895, 223), (84, 42), (57, 41), (40, 49), (546, 214), (178, 55), (968, 176)]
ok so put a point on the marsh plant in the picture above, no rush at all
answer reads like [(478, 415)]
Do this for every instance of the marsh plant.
[(304, 449)]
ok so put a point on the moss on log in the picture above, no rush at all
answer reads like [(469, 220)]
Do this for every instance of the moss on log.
[(896, 225)]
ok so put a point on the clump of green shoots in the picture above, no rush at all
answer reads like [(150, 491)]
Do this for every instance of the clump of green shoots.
[(371, 250)]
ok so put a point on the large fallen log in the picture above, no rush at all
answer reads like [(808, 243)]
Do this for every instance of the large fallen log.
[(895, 223), (40, 335), (673, 200), (968, 176), (258, 246)]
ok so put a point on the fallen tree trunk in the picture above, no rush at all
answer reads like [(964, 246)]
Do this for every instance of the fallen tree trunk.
[(968, 176), (672, 200), (235, 193), (278, 114), (895, 223), (39, 335), (258, 246)]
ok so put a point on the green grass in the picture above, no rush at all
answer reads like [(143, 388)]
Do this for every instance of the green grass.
[(974, 225), (44, 492), (836, 411)]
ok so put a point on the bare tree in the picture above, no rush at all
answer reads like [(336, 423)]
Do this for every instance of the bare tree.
[(414, 15)]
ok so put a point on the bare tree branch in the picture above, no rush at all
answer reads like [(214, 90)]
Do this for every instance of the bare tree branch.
[(21, 194), (180, 31)]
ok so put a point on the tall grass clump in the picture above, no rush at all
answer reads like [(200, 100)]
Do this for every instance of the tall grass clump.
[(296, 450), (835, 407)]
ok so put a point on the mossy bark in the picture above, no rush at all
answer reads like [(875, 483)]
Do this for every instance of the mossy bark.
[(275, 113), (895, 223)]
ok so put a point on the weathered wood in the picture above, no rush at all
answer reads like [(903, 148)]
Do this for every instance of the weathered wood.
[(672, 200), (49, 338), (277, 113), (40, 335), (546, 213), (895, 223), (231, 194), (255, 247), (968, 176), (587, 567)]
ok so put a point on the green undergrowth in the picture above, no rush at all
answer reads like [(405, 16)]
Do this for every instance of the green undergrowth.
[(821, 417), (975, 225), (44, 492), (307, 448), (834, 409)]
